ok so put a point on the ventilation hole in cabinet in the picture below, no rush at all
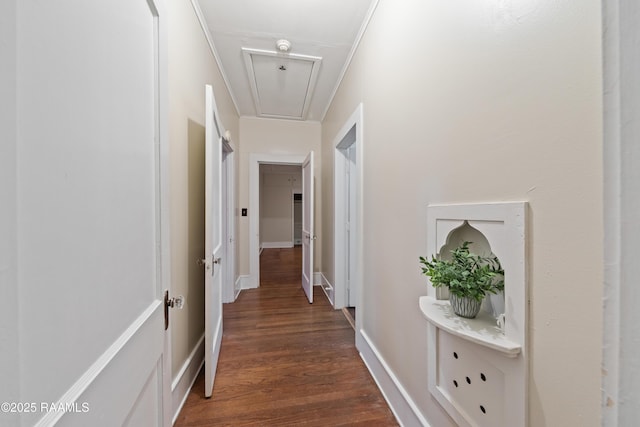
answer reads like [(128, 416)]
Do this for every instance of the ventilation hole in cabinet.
[(455, 383), (482, 376), (455, 355), (484, 411), (468, 380)]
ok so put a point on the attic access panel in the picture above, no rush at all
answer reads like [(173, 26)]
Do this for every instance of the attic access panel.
[(282, 84)]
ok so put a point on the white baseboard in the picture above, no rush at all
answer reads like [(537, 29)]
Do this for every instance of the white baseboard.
[(317, 278), (401, 404), (246, 282), (276, 245), (238, 287), (321, 280), (185, 378)]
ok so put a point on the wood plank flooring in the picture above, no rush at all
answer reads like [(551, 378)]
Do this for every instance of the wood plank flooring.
[(285, 362)]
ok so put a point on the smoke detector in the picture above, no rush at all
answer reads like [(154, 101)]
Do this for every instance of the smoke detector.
[(283, 45)]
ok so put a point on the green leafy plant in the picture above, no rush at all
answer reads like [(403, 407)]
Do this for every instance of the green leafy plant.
[(466, 274)]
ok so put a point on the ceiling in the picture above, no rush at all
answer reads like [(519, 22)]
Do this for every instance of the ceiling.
[(266, 82)]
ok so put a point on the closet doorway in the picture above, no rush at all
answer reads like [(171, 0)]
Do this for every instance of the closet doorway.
[(348, 234)]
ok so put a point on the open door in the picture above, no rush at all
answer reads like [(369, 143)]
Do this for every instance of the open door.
[(308, 235), (213, 241)]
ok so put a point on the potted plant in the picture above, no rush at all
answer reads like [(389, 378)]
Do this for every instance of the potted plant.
[(468, 276)]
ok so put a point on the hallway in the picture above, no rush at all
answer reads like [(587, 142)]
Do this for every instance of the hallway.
[(286, 362)]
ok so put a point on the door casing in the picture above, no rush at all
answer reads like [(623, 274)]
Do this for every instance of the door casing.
[(255, 160), (350, 133), (229, 283)]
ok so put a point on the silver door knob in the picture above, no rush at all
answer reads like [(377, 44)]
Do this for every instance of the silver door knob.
[(176, 302)]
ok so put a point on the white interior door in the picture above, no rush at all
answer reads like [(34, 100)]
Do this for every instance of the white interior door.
[(213, 241), (308, 235), (84, 191)]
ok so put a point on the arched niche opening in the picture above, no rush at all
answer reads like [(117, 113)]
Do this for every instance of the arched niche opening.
[(493, 303)]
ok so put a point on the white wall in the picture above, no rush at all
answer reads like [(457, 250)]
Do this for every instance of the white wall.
[(9, 344), (191, 66), (472, 102), (274, 137)]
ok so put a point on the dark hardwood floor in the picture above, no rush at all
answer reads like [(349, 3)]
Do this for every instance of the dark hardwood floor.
[(285, 362)]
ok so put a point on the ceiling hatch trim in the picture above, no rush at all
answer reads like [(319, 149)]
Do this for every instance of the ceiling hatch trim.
[(276, 77)]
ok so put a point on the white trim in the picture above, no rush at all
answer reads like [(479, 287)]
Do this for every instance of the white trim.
[(612, 213), (255, 160), (339, 194), (245, 282), (135, 337), (214, 52), (403, 407), (621, 101), (229, 192), (276, 245), (186, 377), (318, 279), (238, 286), (327, 287), (352, 53), (354, 48), (247, 54)]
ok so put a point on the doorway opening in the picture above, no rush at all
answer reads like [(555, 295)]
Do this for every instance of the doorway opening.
[(278, 186), (348, 217), (257, 235), (297, 219)]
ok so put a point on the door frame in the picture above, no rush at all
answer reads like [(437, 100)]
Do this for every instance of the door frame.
[(621, 100), (344, 139), (229, 292), (255, 160)]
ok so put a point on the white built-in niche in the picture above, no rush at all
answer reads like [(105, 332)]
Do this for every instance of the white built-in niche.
[(478, 367)]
